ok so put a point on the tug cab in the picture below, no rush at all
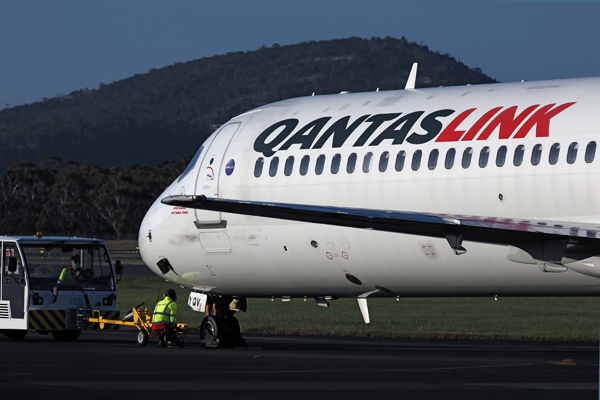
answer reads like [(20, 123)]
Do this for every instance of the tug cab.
[(32, 295)]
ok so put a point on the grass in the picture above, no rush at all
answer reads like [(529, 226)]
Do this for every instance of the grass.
[(121, 244), (536, 318)]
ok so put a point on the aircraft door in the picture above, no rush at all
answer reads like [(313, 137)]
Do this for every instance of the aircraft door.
[(13, 286), (207, 182)]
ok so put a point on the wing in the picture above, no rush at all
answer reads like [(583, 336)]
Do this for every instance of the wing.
[(546, 242)]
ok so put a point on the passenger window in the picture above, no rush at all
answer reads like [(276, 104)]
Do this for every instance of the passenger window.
[(351, 163), (450, 154), (484, 156), (501, 156), (590, 152), (554, 153), (289, 166), (536, 154), (304, 165), (335, 163), (320, 164), (416, 161), (519, 151), (367, 162), (572, 152), (273, 166), (258, 167), (383, 161), (400, 160), (467, 154), (433, 157)]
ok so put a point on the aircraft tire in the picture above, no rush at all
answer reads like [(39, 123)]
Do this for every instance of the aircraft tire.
[(66, 335), (210, 329), (231, 327), (14, 334), (142, 338)]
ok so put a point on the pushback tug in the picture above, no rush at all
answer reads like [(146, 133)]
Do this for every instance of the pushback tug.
[(31, 297)]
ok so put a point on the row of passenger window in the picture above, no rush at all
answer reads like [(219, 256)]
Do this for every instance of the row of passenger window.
[(432, 163)]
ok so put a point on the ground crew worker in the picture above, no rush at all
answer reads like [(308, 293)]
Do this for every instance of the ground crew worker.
[(72, 272), (164, 320), (210, 307)]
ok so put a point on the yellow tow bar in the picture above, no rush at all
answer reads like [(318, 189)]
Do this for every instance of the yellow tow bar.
[(142, 320)]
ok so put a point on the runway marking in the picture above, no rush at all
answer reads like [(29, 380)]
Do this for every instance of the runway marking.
[(378, 370), (453, 368), (568, 361)]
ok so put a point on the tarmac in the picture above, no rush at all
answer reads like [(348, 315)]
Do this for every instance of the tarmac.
[(103, 364)]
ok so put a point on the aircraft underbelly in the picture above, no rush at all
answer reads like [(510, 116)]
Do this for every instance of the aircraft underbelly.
[(272, 258)]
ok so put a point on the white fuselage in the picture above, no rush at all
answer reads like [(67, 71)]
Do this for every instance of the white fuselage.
[(261, 257)]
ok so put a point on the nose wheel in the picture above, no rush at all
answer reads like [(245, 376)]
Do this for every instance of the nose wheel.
[(224, 332)]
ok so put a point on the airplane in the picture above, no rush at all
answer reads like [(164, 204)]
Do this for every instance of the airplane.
[(476, 190)]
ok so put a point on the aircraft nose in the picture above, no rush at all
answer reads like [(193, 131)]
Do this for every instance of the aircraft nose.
[(147, 239)]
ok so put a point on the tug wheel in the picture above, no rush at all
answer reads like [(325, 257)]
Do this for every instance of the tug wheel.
[(14, 334), (142, 338)]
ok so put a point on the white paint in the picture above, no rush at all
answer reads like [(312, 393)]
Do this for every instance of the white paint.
[(258, 265)]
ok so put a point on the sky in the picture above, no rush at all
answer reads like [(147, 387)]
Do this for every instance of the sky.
[(50, 48)]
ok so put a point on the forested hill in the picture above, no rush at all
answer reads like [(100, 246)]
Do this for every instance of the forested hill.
[(168, 112)]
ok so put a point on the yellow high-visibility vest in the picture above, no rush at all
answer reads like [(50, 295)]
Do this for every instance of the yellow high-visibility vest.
[(165, 312)]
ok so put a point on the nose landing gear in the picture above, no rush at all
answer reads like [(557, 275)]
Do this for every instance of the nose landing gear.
[(221, 330)]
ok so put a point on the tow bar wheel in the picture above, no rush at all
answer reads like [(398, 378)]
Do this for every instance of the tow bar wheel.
[(142, 338)]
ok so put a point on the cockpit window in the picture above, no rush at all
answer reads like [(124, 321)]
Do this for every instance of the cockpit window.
[(192, 164), (71, 267)]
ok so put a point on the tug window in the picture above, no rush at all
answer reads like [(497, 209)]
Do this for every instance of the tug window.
[(536, 154), (351, 163), (433, 158), (400, 160), (304, 165), (572, 152), (289, 166), (367, 162), (450, 155), (466, 160), (501, 156), (590, 152), (335, 163), (518, 159), (320, 165), (416, 160), (273, 166), (554, 153), (383, 161), (484, 156), (258, 167)]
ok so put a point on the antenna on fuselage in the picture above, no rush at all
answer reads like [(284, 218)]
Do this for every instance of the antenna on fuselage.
[(412, 77)]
